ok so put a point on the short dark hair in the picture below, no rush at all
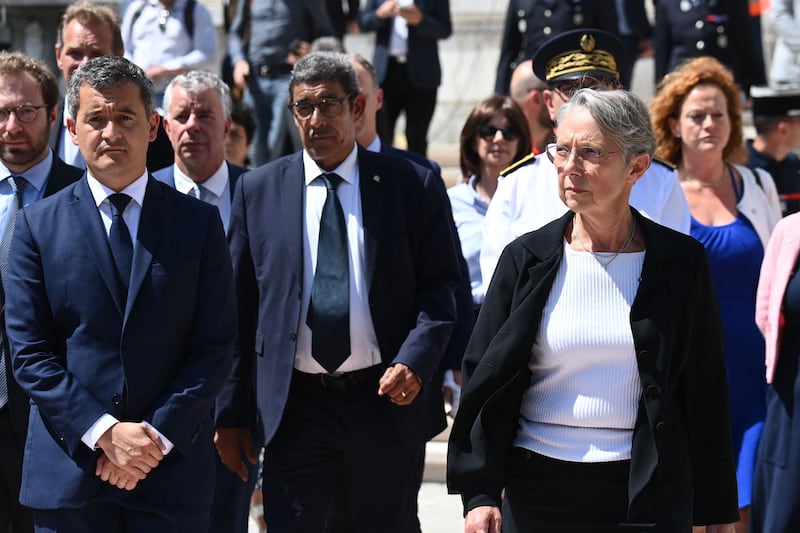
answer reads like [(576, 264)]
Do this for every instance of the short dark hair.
[(109, 71), (765, 124), (17, 63), (325, 66), (242, 114), (481, 114)]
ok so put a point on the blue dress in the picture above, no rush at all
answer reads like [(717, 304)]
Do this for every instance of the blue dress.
[(735, 253)]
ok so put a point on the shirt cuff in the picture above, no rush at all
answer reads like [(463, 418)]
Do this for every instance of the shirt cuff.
[(97, 429), (167, 443)]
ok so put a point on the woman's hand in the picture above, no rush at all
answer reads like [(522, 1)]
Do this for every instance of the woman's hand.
[(484, 519)]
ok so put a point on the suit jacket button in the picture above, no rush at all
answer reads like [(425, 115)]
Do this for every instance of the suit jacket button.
[(660, 426), (293, 336), (651, 391)]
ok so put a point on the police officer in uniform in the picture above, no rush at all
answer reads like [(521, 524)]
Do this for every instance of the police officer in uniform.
[(776, 116), (529, 23), (718, 28)]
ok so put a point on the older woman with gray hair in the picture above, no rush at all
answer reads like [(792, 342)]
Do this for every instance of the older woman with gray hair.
[(594, 389)]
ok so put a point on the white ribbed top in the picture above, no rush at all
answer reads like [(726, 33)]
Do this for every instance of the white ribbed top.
[(583, 399)]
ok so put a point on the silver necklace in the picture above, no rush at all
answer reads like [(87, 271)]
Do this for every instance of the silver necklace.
[(606, 258)]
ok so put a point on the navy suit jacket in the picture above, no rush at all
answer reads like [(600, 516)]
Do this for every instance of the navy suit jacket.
[(410, 260), (81, 349), (436, 421), (60, 175), (424, 69)]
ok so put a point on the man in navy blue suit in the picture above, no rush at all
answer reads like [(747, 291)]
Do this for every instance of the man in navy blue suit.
[(344, 270), (28, 102), (121, 319), (197, 107)]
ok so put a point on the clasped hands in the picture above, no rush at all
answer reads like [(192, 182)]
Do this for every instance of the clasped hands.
[(131, 450)]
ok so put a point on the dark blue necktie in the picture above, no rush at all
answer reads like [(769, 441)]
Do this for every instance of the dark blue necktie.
[(329, 309), (17, 184), (119, 238)]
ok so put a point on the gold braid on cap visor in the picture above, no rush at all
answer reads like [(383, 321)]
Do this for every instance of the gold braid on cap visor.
[(575, 61)]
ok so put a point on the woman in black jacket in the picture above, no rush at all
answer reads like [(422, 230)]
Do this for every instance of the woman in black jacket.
[(594, 389)]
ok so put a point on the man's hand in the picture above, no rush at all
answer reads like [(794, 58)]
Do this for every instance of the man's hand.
[(412, 14), (114, 475), (241, 70), (231, 444), (133, 447), (483, 519), (400, 383)]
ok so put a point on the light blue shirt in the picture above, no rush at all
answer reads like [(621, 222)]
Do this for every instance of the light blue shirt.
[(36, 178), (469, 210)]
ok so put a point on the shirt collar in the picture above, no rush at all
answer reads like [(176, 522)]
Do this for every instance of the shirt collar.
[(215, 184), (375, 145), (36, 175), (347, 169), (135, 190)]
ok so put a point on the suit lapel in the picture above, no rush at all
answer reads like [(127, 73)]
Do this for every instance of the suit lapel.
[(372, 199), (290, 191), (151, 225), (87, 217)]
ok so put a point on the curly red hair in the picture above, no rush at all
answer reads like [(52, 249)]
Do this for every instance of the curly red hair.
[(672, 92)]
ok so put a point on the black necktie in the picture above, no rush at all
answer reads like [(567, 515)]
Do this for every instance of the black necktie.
[(119, 238), (17, 184), (329, 309)]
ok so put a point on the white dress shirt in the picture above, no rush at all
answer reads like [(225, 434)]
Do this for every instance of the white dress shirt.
[(131, 215), (363, 341), (217, 191)]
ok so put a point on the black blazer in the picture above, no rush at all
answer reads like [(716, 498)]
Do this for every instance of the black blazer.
[(424, 69), (410, 260), (60, 175), (682, 436)]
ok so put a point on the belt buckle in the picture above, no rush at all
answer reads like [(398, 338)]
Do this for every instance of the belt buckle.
[(263, 71), (401, 58), (333, 382)]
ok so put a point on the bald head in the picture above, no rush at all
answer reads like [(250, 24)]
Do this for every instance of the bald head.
[(523, 81)]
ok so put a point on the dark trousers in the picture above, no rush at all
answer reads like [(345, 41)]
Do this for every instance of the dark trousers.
[(400, 95), (12, 514), (334, 443), (230, 512), (776, 488), (544, 494), (131, 515)]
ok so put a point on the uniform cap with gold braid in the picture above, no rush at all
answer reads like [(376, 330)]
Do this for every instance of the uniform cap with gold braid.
[(575, 54)]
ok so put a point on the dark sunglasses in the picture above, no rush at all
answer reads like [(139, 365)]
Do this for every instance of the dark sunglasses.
[(487, 132)]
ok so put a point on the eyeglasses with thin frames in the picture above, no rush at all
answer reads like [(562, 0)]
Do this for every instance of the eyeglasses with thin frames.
[(329, 107), (568, 89), (487, 132), (559, 154), (25, 113)]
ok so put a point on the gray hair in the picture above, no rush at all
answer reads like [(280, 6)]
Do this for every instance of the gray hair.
[(109, 71), (621, 115), (325, 66), (196, 81)]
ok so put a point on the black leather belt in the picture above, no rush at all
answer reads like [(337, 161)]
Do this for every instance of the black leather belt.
[(273, 71), (340, 382)]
